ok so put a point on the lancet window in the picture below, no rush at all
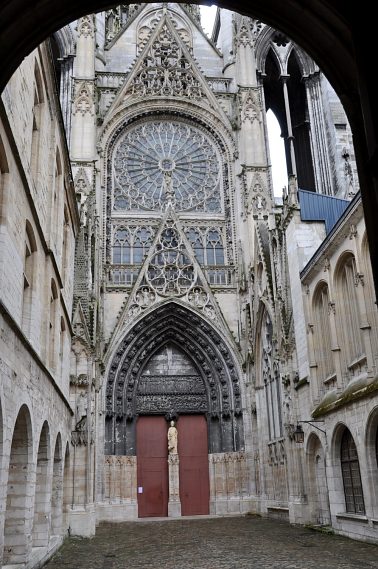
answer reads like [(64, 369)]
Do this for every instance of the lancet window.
[(207, 244), (130, 245), (271, 379), (354, 497)]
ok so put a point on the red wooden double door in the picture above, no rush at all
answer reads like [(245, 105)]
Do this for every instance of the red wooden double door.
[(152, 460)]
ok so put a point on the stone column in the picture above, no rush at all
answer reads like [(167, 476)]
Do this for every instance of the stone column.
[(290, 136), (83, 133), (174, 504)]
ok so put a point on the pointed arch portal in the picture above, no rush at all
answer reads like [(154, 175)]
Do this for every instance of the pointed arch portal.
[(172, 363)]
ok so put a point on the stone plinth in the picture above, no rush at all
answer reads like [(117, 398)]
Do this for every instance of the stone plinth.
[(174, 504)]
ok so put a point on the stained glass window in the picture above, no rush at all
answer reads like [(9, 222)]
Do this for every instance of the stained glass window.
[(148, 152)]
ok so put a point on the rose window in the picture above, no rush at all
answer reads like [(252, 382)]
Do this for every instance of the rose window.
[(150, 152)]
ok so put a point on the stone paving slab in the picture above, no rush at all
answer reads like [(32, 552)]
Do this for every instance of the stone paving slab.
[(218, 543)]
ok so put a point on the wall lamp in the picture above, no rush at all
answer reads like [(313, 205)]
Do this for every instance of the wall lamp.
[(298, 434)]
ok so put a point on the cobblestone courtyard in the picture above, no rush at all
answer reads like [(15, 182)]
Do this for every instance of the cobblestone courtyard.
[(217, 543)]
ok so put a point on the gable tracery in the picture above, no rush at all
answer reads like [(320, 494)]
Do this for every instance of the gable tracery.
[(165, 71), (150, 20), (170, 271)]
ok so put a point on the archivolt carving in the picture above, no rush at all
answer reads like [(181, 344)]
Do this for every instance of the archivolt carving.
[(215, 390)]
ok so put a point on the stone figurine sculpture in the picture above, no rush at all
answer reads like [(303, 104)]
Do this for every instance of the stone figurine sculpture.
[(172, 439)]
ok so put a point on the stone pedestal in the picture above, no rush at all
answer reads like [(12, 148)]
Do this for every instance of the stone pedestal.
[(82, 521), (174, 504)]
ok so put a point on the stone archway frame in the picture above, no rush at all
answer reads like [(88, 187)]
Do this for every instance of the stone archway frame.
[(175, 323)]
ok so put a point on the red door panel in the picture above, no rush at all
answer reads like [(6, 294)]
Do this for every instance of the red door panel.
[(152, 467), (194, 465)]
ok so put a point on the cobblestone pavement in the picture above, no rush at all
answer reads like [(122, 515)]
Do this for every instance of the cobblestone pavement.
[(216, 543)]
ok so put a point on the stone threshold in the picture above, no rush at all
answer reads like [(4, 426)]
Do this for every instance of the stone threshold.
[(179, 519)]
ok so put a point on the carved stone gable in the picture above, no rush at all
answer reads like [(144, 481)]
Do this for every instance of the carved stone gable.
[(166, 71)]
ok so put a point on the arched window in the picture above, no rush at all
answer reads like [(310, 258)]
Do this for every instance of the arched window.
[(354, 498), (196, 240), (66, 234), (207, 245), (37, 122), (52, 323), (122, 247), (214, 248), (58, 193), (62, 345), (323, 343), (370, 296), (4, 170), (29, 277), (131, 245), (277, 153), (271, 378), (349, 310), (142, 242)]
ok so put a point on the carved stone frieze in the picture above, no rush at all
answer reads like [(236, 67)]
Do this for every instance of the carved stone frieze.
[(167, 403)]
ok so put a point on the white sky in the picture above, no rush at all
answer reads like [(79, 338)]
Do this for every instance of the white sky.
[(276, 144), (207, 18)]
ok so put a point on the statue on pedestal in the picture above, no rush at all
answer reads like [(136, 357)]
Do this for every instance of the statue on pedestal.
[(172, 439)]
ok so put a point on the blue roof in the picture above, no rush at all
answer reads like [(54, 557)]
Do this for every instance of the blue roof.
[(319, 207)]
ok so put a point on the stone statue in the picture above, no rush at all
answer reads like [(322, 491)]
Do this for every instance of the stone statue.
[(81, 406), (172, 439)]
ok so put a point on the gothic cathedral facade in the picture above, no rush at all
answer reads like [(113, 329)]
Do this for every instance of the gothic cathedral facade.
[(151, 277)]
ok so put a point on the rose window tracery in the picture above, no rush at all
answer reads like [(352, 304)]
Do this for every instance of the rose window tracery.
[(149, 151)]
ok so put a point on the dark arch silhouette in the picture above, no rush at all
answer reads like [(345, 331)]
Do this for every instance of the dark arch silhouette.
[(336, 34)]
